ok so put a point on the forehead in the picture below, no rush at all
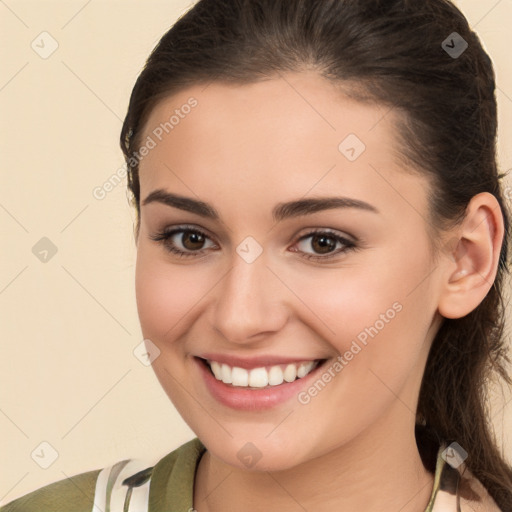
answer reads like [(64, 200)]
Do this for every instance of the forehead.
[(291, 105), (294, 133)]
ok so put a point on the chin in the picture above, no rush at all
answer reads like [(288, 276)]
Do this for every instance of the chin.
[(253, 453)]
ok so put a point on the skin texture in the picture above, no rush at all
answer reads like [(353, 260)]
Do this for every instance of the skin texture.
[(243, 149)]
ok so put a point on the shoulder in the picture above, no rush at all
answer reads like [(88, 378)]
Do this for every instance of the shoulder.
[(75, 494), (455, 487), (89, 491), (170, 477), (473, 496)]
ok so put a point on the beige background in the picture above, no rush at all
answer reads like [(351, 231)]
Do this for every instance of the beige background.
[(69, 326)]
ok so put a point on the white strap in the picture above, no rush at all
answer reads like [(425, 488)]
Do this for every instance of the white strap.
[(111, 478), (100, 492), (139, 499)]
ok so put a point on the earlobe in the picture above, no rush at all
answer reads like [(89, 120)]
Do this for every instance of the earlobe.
[(471, 271)]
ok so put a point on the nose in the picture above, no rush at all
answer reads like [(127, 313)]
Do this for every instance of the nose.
[(250, 302)]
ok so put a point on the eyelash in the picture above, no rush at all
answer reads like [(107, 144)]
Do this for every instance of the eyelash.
[(163, 237)]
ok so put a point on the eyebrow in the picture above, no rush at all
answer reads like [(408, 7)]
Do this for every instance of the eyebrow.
[(280, 212)]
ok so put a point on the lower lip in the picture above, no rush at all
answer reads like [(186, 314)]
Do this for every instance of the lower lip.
[(254, 399)]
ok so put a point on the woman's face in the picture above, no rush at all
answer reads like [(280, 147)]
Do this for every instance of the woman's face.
[(362, 293)]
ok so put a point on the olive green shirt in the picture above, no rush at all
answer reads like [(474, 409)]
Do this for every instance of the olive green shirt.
[(168, 486)]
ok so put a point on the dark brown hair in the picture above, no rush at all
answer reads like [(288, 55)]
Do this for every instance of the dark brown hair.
[(388, 52)]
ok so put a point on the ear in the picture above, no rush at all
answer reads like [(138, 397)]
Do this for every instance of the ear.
[(475, 251)]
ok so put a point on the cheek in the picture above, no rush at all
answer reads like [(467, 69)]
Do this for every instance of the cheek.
[(164, 296), (384, 306), (347, 302), (379, 331), (165, 299)]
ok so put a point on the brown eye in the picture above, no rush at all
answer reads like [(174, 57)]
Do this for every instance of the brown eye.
[(183, 241), (323, 244), (192, 240)]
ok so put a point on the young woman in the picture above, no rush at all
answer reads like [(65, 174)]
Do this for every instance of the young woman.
[(321, 249)]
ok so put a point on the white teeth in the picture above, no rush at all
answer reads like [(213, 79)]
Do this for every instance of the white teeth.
[(290, 374), (303, 370), (260, 377), (275, 376), (239, 377), (226, 374), (216, 369)]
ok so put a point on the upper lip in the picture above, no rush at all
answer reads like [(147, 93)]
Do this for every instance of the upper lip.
[(256, 361)]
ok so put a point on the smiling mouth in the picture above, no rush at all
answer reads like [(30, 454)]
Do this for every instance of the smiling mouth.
[(262, 377)]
